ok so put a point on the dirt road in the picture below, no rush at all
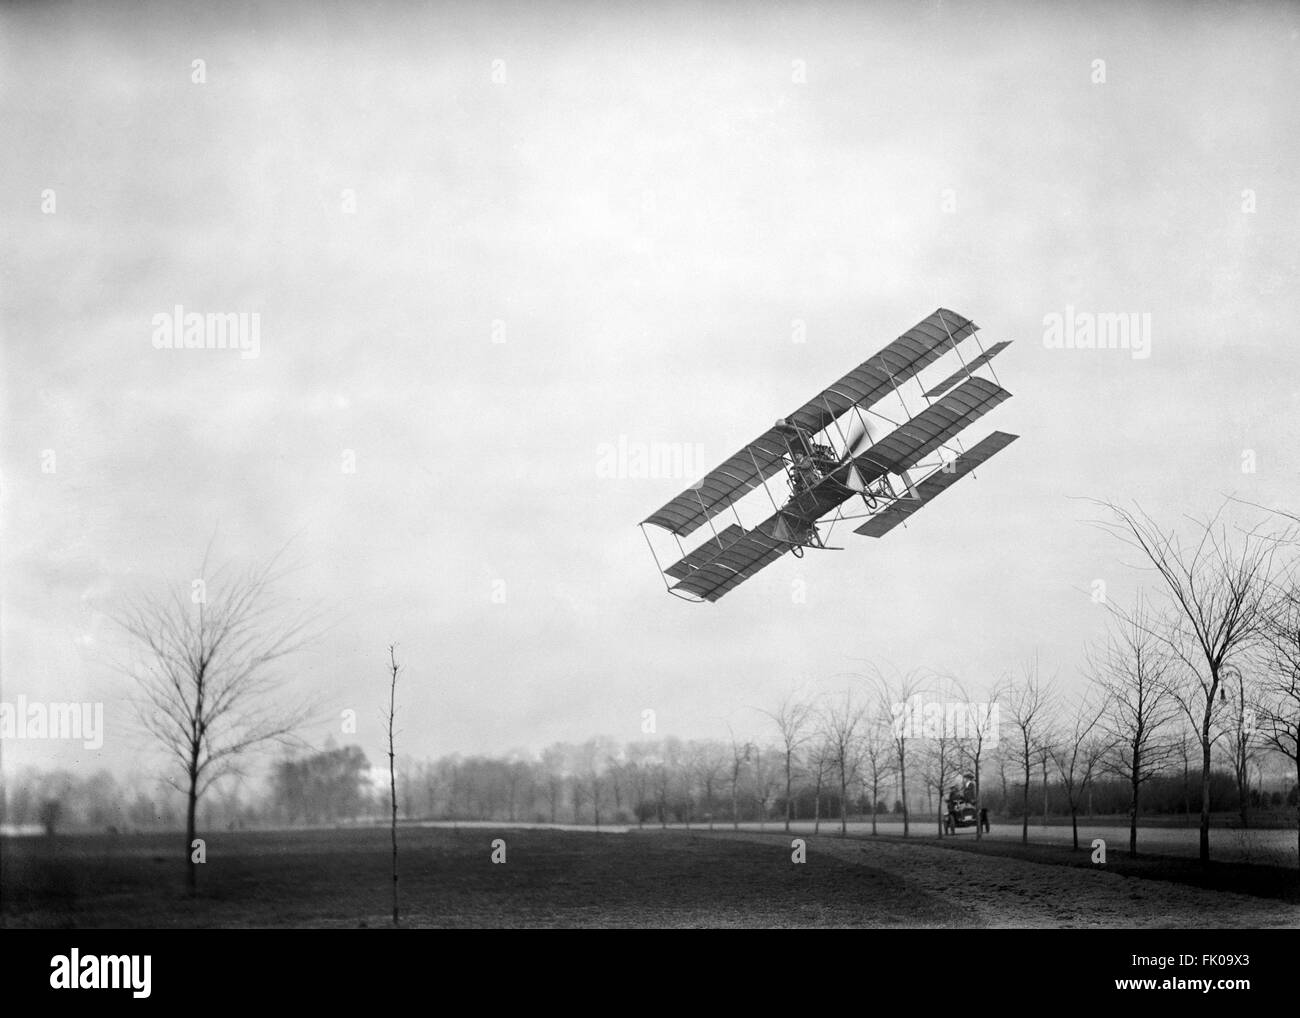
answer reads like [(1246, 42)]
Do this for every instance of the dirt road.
[(1005, 892)]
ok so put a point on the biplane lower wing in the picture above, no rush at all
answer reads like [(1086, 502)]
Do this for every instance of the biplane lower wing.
[(709, 549), (742, 559), (935, 485)]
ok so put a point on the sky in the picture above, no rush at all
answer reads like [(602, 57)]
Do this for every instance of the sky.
[(487, 241)]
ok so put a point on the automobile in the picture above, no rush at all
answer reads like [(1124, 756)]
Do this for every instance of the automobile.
[(961, 813)]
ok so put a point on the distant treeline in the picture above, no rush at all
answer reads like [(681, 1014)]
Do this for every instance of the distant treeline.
[(668, 781), (674, 781)]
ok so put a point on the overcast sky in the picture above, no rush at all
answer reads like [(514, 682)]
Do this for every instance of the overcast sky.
[(483, 240)]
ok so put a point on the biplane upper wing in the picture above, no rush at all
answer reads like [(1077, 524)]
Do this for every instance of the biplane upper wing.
[(871, 380), (907, 444), (936, 484), (742, 559), (719, 488)]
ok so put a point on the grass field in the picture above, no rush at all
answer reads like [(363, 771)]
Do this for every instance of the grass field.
[(340, 878)]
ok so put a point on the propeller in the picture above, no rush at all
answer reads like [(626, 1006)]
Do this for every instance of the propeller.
[(861, 437)]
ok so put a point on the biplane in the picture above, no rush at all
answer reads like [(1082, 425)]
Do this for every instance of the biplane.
[(834, 451)]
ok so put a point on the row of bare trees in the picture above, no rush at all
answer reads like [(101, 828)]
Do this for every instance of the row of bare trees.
[(1218, 645), (793, 772)]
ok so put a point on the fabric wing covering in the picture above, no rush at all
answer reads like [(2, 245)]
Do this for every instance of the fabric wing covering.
[(907, 444), (741, 560), (713, 546), (966, 369), (935, 485), (866, 384)]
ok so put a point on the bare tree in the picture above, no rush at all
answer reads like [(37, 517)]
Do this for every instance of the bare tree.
[(977, 732), (1184, 750), (641, 762), (1045, 753), (592, 759), (841, 725), (1278, 706), (518, 776), (554, 767), (207, 682), (1029, 706), (875, 752), (1079, 754), (794, 721), (1241, 717), (764, 778), (392, 767), (740, 753), (821, 764), (669, 769), (708, 765), (577, 794), (894, 700), (940, 760), (1132, 673), (1219, 592), (1001, 756)]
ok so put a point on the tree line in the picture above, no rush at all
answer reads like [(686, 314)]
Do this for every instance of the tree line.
[(707, 783)]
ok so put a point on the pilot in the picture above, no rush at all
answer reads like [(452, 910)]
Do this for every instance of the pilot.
[(806, 465)]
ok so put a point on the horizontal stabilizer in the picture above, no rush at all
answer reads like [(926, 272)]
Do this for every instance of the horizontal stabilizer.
[(966, 369)]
